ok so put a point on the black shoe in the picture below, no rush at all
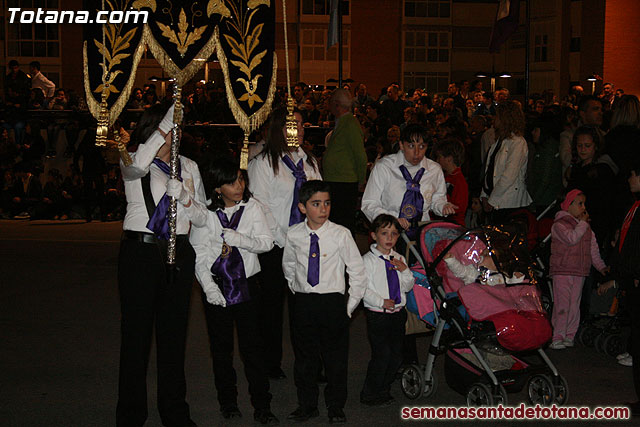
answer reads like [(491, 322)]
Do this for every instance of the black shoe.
[(337, 416), (265, 416), (276, 374), (373, 401), (301, 414), (231, 412)]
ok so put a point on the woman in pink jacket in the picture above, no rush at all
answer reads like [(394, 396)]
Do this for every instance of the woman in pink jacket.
[(573, 250)]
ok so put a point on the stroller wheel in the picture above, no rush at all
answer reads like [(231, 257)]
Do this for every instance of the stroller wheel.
[(479, 394), (614, 344), (431, 386), (562, 390), (588, 335), (541, 390), (599, 341), (412, 382), (501, 397)]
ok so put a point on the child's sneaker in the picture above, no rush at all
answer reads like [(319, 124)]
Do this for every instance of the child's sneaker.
[(568, 342), (623, 355), (557, 345), (627, 361)]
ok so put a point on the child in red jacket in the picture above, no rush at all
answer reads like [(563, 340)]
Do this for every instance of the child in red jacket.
[(573, 250), (450, 154)]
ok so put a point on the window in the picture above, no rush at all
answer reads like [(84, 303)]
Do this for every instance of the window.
[(323, 7), (541, 48), (314, 46), (427, 8), (438, 47), (431, 81), (41, 40), (415, 46)]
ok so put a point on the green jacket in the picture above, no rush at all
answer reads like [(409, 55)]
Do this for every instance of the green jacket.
[(345, 160)]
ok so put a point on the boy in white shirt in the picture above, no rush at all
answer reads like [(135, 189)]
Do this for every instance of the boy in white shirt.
[(389, 279), (315, 255)]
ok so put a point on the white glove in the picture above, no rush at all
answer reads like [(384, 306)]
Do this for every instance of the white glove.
[(167, 121), (176, 190), (214, 297), (351, 306), (233, 238)]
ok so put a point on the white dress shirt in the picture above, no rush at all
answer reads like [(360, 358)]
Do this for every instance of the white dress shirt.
[(137, 217), (255, 238), (509, 174), (386, 187), (275, 192), (377, 286), (48, 87), (337, 250)]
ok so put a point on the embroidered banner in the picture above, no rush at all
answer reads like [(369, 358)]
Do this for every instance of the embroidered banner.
[(117, 51)]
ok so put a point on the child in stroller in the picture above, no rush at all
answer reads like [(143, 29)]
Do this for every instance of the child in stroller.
[(492, 335)]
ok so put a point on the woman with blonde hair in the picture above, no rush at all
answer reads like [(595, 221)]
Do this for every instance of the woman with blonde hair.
[(504, 189)]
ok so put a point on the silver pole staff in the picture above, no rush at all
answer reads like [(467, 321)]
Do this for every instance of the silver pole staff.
[(175, 147)]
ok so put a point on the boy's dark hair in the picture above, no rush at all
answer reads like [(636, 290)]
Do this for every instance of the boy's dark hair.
[(450, 147), (218, 172), (414, 131), (385, 220), (35, 64), (13, 63), (312, 187)]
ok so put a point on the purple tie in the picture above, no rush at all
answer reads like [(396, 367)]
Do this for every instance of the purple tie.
[(412, 202), (392, 281), (313, 272), (159, 221), (228, 269), (295, 216)]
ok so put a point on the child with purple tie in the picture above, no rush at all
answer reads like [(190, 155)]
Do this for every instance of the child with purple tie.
[(389, 279), (227, 249), (315, 255)]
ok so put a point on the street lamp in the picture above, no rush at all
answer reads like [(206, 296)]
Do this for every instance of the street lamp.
[(493, 75)]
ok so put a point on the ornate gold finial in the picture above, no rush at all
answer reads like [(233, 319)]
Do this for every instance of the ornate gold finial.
[(292, 125), (244, 153), (124, 154)]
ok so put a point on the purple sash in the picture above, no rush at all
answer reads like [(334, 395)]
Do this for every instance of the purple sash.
[(295, 216), (228, 270), (159, 221), (412, 202)]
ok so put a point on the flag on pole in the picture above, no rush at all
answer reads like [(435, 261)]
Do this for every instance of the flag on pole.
[(332, 35), (506, 23)]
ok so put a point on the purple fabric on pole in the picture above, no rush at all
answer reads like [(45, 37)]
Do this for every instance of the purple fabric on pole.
[(295, 216), (159, 221), (313, 271), (228, 269), (392, 281), (412, 202), (506, 24)]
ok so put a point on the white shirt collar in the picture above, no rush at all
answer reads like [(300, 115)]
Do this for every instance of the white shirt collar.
[(319, 231), (377, 253)]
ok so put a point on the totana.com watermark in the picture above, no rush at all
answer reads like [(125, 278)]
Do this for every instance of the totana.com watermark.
[(45, 16)]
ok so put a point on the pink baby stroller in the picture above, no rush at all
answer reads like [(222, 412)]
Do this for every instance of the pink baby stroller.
[(491, 335)]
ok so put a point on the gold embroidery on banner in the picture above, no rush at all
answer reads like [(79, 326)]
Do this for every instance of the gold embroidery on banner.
[(139, 4), (226, 251), (217, 6), (252, 4), (183, 39)]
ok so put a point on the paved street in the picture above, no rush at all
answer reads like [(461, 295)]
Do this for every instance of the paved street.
[(59, 343)]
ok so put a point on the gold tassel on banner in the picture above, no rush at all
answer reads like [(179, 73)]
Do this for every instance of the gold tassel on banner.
[(244, 153), (103, 119), (124, 154), (292, 125)]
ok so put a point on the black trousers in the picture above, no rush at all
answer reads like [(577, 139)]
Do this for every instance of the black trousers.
[(220, 322), (145, 297), (321, 335), (273, 287), (386, 333), (344, 202)]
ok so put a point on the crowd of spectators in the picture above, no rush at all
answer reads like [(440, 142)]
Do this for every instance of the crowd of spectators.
[(578, 141)]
